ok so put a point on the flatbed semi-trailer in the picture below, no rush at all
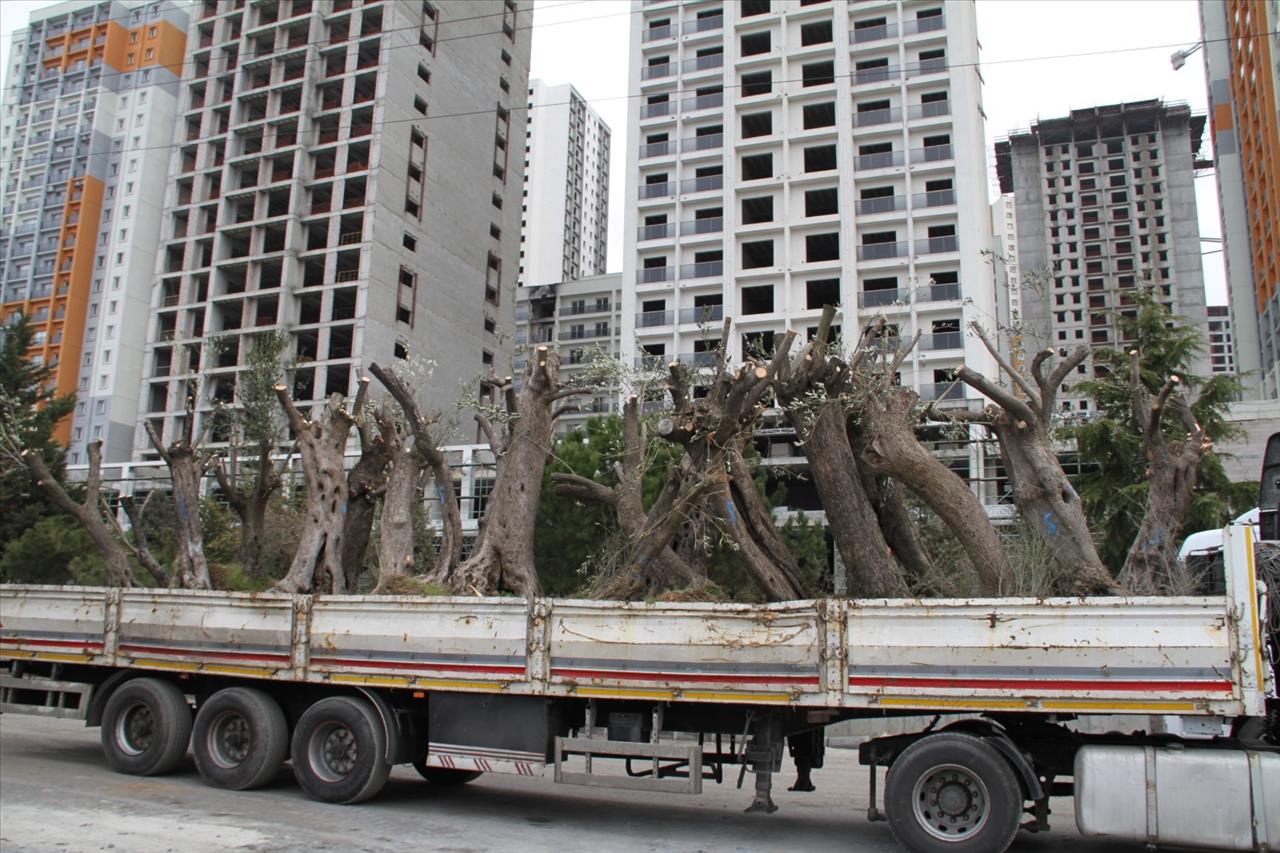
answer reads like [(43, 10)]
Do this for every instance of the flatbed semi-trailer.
[(344, 687)]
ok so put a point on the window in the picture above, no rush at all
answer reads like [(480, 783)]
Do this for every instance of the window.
[(818, 32), (757, 83), (755, 43), (420, 105), (824, 202), (818, 73), (757, 254), (750, 8), (820, 158), (821, 292), (756, 210), (758, 299), (424, 73), (819, 115), (410, 242), (757, 166), (757, 124), (822, 247)]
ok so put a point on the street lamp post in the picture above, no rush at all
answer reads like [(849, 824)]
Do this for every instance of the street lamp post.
[(1179, 57)]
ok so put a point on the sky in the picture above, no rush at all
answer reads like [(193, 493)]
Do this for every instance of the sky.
[(1039, 59)]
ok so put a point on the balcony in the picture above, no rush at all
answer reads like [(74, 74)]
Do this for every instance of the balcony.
[(931, 24), (880, 298), (659, 190), (936, 245), (698, 359), (583, 334), (698, 185), (939, 293), (704, 142), (655, 72), (703, 63), (884, 204), (656, 232), (929, 110), (663, 108), (882, 74), (942, 340), (657, 149), (862, 35), (937, 198), (702, 314), (929, 66), (932, 153), (704, 269), (709, 225), (933, 392), (869, 118), (651, 319), (881, 251), (651, 362), (702, 25), (658, 33), (651, 275), (702, 102)]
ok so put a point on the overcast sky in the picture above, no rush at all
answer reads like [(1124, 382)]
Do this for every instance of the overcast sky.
[(1039, 59)]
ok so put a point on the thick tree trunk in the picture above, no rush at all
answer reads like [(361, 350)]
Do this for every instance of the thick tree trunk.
[(894, 450), (190, 568), (250, 507), (851, 515), (899, 527), (365, 482), (116, 568), (395, 527), (317, 565), (751, 505)]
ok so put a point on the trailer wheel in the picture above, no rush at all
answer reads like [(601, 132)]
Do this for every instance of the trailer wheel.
[(339, 751), (240, 739), (146, 727), (446, 776), (952, 792)]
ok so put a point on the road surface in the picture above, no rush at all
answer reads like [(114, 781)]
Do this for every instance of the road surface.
[(56, 794)]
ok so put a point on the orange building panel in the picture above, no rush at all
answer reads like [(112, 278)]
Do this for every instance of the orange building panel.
[(160, 43)]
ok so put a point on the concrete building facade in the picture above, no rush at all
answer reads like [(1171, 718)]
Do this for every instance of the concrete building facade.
[(1004, 259), (580, 320), (564, 227), (89, 103), (1222, 348), (343, 173), (1105, 204), (1242, 67), (788, 154)]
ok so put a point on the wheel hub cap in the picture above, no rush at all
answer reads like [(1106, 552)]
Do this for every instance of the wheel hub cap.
[(950, 802)]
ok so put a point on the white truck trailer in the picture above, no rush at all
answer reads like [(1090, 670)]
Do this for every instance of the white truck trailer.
[(344, 687)]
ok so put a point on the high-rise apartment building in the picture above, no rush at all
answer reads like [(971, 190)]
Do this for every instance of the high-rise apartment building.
[(564, 228), (1222, 349), (1242, 64), (1004, 259), (784, 155), (343, 172), (86, 126), (1105, 204)]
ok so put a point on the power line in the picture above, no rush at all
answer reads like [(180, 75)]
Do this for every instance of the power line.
[(525, 107)]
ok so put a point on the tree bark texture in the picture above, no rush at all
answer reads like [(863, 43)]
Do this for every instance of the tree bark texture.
[(365, 483), (116, 567), (251, 506), (395, 526), (1043, 494), (317, 565), (502, 557), (426, 445), (187, 466), (1151, 567)]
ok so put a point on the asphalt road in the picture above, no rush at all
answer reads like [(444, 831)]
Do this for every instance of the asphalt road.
[(57, 794)]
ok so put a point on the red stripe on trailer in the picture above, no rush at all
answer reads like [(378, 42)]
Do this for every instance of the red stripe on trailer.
[(1042, 684), (450, 667), (166, 650), (728, 678)]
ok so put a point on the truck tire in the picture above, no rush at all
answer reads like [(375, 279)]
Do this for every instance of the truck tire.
[(146, 727), (339, 751), (240, 739), (952, 792), (446, 775)]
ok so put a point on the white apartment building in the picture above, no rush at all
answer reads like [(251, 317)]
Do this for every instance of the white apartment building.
[(343, 172), (564, 225), (1004, 260), (788, 154), (86, 126)]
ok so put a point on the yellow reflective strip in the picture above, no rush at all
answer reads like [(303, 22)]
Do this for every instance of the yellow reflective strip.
[(930, 702), (65, 658), (736, 697), (238, 670), (384, 680), (1253, 606), (450, 684), (1115, 705), (624, 693), (166, 664)]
